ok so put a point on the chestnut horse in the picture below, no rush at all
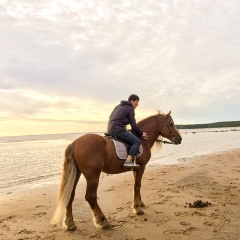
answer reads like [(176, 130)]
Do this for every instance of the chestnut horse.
[(92, 154)]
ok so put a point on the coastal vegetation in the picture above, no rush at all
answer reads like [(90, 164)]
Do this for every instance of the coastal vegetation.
[(210, 125)]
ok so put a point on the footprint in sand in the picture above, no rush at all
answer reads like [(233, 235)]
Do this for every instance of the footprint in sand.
[(185, 223), (25, 231), (40, 214), (158, 212), (182, 231), (208, 223), (181, 213), (189, 230), (40, 206), (7, 218)]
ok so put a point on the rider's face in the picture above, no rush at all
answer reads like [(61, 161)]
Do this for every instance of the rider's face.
[(134, 103)]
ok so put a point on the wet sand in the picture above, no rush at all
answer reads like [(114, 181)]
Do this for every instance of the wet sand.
[(166, 192)]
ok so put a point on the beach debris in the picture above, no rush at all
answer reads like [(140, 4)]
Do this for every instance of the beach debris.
[(198, 204)]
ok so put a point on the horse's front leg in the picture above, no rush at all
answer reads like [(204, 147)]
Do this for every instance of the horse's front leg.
[(100, 220), (141, 203), (137, 201)]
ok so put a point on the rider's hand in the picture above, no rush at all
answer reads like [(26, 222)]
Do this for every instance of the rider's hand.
[(145, 136)]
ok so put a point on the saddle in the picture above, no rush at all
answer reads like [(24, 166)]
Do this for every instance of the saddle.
[(121, 147)]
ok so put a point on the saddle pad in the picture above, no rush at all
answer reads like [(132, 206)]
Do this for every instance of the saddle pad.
[(121, 149)]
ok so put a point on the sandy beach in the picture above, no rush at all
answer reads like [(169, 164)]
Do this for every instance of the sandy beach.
[(166, 192)]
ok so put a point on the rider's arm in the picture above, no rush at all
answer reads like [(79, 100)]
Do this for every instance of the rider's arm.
[(133, 124)]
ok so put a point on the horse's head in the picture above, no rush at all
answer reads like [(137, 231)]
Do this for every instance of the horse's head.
[(168, 129)]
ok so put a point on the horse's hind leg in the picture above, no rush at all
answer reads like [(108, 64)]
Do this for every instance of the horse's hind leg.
[(100, 220), (137, 201), (70, 225)]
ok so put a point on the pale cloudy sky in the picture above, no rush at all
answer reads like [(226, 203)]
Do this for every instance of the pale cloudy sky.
[(65, 64)]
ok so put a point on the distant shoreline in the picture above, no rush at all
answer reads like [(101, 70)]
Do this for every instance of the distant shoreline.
[(55, 136), (210, 130), (209, 125), (226, 124)]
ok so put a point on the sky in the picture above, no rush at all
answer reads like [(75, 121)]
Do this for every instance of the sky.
[(66, 64)]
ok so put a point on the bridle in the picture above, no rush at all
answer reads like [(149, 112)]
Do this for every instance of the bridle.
[(169, 129), (172, 135)]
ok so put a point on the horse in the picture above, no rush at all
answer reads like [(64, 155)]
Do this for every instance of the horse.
[(92, 154)]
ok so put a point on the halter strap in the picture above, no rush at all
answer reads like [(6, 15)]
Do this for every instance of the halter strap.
[(165, 123)]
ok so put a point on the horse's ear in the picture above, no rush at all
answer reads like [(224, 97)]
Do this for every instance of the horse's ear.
[(168, 115)]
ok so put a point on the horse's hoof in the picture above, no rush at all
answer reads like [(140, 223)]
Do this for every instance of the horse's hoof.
[(102, 224), (138, 211), (71, 227), (107, 226)]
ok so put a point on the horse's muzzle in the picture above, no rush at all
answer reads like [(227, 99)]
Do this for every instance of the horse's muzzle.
[(177, 141)]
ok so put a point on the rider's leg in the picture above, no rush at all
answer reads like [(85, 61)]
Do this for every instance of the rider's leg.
[(133, 141), (135, 144)]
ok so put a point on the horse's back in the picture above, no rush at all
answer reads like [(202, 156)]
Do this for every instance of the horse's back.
[(90, 151), (95, 152), (90, 142), (93, 137)]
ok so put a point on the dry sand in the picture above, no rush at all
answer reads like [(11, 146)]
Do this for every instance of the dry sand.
[(165, 191)]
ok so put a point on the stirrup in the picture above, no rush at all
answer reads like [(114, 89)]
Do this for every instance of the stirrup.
[(130, 164), (135, 165)]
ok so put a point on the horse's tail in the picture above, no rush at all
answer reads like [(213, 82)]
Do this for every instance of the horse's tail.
[(67, 183)]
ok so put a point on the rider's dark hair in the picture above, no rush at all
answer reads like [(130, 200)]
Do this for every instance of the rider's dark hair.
[(133, 97)]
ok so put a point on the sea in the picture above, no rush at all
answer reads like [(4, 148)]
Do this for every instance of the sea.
[(35, 160)]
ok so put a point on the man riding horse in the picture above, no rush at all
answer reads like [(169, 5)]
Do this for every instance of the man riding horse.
[(122, 115), (91, 154)]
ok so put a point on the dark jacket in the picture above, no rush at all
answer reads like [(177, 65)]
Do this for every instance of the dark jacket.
[(122, 115)]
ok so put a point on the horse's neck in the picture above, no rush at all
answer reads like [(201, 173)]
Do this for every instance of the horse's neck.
[(150, 126)]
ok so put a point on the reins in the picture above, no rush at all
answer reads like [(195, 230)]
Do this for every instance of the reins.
[(161, 141)]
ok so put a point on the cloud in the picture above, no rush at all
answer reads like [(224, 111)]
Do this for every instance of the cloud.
[(28, 105), (176, 55)]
